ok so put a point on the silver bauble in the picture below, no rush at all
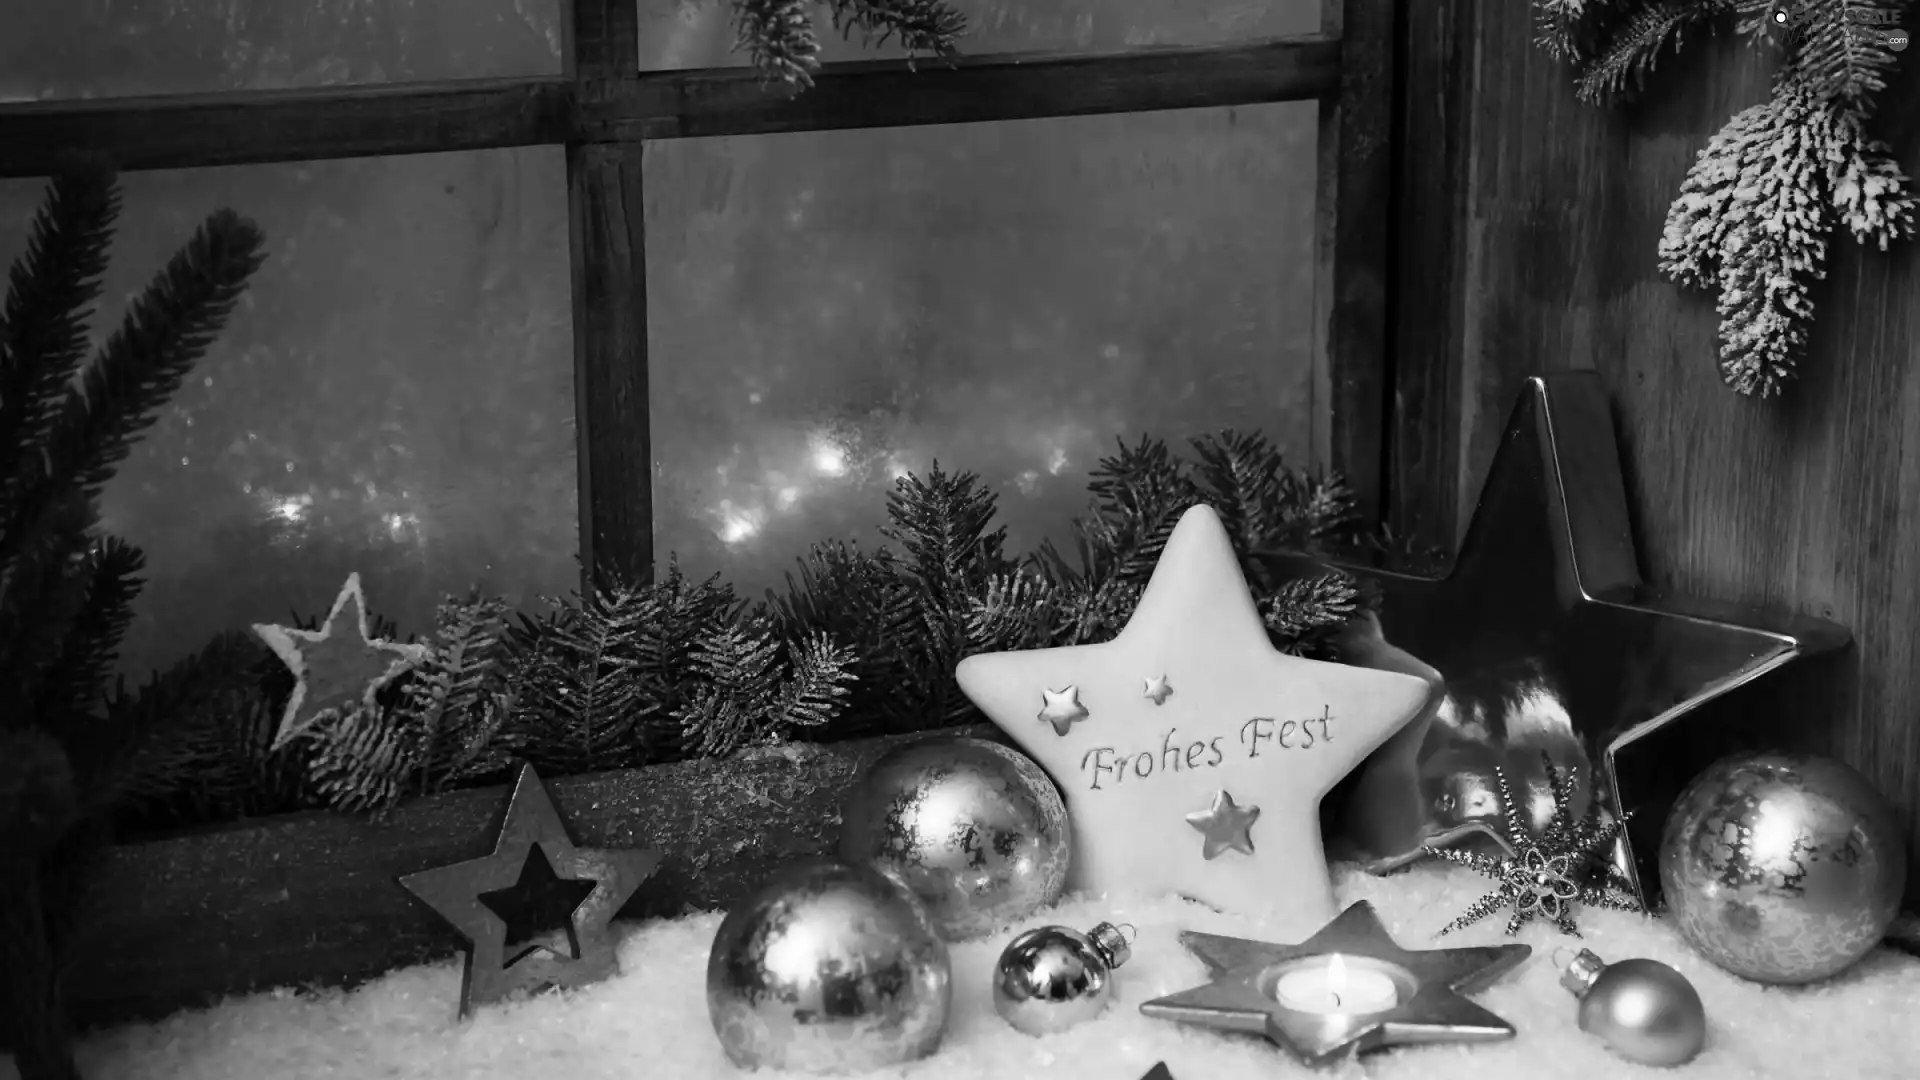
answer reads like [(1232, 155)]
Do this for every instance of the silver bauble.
[(975, 829), (1782, 868), (828, 968), (1642, 1009), (1052, 978)]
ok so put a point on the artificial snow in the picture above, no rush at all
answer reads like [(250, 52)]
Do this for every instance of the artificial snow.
[(651, 1021)]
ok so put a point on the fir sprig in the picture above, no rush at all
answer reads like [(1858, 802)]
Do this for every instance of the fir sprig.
[(1756, 211), (65, 591), (780, 37)]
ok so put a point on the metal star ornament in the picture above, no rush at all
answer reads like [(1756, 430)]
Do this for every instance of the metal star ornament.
[(1429, 1005), (1541, 877), (337, 667), (1276, 730), (1548, 640), (468, 895)]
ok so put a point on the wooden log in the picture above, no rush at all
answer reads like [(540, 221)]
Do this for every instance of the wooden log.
[(312, 899)]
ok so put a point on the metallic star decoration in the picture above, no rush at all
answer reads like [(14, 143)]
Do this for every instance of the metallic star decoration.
[(1158, 690), (1542, 876), (1431, 1007), (1548, 640), (1225, 827), (466, 895), (1062, 709), (335, 668), (1278, 729)]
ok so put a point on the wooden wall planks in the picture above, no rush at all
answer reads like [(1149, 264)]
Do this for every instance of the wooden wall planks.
[(1811, 502)]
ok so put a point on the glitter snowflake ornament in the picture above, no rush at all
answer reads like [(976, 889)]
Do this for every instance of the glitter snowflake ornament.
[(1541, 877)]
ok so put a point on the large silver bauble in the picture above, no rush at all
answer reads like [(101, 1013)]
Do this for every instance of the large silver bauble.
[(828, 968), (975, 829), (1782, 868)]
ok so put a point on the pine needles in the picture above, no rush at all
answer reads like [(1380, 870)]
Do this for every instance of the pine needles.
[(781, 39), (1754, 217), (69, 752), (861, 642)]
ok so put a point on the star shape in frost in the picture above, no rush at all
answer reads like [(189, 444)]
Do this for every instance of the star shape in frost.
[(335, 667), (1225, 827), (1277, 730), (466, 895), (1431, 1008)]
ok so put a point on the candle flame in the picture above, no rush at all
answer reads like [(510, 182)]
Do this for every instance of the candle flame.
[(1337, 975)]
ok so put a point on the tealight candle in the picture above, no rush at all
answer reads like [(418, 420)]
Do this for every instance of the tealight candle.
[(1333, 987)]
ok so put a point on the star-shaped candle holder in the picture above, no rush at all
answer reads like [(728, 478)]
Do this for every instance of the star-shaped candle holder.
[(1547, 639), (469, 896), (1348, 989)]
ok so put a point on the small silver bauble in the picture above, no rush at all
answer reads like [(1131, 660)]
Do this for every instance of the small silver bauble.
[(1782, 868), (975, 829), (828, 968), (1054, 977), (1642, 1009)]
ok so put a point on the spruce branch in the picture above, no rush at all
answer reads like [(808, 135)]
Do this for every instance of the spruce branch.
[(1634, 51), (780, 38), (43, 326), (1839, 49), (165, 331), (1754, 217), (70, 694)]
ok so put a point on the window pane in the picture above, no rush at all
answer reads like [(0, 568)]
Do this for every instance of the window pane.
[(696, 33), (828, 308), (87, 48), (394, 396)]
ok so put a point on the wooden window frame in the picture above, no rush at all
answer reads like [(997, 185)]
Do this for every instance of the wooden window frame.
[(604, 110)]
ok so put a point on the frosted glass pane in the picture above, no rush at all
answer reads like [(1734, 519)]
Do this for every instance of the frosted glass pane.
[(827, 309), (99, 48), (395, 395), (697, 33)]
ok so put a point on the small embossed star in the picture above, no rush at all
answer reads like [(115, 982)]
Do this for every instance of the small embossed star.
[(1226, 827), (1157, 690), (1062, 709), (1543, 876)]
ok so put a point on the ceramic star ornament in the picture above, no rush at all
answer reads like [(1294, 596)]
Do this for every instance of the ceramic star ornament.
[(533, 843), (1347, 989), (1548, 640), (1213, 791), (336, 667)]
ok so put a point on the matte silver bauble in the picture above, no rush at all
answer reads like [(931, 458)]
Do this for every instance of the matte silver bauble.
[(1782, 868), (1642, 1009), (1052, 978), (828, 968), (975, 829)]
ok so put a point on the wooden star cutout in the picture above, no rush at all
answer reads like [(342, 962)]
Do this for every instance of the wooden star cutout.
[(1226, 827), (1276, 730), (1548, 640), (334, 668), (466, 894), (1431, 1007)]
